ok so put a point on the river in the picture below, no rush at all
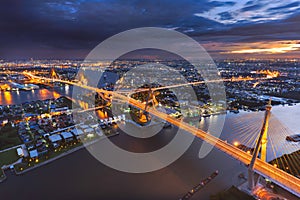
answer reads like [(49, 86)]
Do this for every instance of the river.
[(22, 96), (80, 176)]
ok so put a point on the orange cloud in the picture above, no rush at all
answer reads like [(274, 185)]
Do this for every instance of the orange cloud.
[(274, 47)]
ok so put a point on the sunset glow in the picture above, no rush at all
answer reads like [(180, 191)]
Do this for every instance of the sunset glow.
[(277, 47)]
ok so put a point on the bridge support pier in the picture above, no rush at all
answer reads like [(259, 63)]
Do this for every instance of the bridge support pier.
[(260, 145), (253, 179)]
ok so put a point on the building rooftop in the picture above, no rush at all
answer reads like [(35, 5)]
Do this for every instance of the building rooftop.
[(66, 135), (33, 153), (55, 138), (77, 131)]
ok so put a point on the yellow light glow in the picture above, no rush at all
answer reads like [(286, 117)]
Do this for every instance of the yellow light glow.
[(8, 98)]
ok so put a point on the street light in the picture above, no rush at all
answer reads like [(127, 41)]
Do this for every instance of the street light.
[(236, 143)]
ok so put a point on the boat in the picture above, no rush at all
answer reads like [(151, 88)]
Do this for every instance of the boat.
[(293, 138)]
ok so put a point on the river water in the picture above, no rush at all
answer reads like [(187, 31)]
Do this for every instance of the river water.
[(22, 96), (80, 176)]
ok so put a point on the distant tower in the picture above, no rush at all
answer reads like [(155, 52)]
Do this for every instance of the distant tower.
[(261, 144), (81, 78), (53, 74)]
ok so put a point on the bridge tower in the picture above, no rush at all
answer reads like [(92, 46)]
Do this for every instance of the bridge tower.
[(147, 104), (53, 73), (150, 98), (260, 145)]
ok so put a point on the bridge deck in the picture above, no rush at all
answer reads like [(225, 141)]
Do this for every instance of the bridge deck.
[(282, 178)]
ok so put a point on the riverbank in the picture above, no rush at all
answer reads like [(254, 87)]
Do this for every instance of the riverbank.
[(81, 176), (19, 170), (63, 154), (2, 176), (7, 158)]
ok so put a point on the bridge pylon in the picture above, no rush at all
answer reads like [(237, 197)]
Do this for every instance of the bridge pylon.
[(53, 73), (260, 145)]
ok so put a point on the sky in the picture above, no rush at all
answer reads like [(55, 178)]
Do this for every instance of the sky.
[(226, 28)]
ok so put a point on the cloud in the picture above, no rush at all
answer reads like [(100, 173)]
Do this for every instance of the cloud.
[(290, 6), (82, 24), (226, 16), (29, 28), (222, 3), (251, 11), (274, 47)]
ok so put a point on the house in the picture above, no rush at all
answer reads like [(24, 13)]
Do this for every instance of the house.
[(20, 152), (55, 139), (82, 126), (77, 132), (67, 136), (33, 153), (88, 130)]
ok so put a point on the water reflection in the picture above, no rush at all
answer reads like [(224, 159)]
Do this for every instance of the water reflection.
[(44, 93), (18, 97), (6, 98)]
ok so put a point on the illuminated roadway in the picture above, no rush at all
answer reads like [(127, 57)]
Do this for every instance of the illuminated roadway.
[(192, 83), (281, 178)]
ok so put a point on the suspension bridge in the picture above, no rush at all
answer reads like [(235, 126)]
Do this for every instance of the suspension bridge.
[(256, 166)]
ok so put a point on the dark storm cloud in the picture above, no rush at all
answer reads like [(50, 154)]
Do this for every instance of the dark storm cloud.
[(284, 30), (82, 24), (74, 27)]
